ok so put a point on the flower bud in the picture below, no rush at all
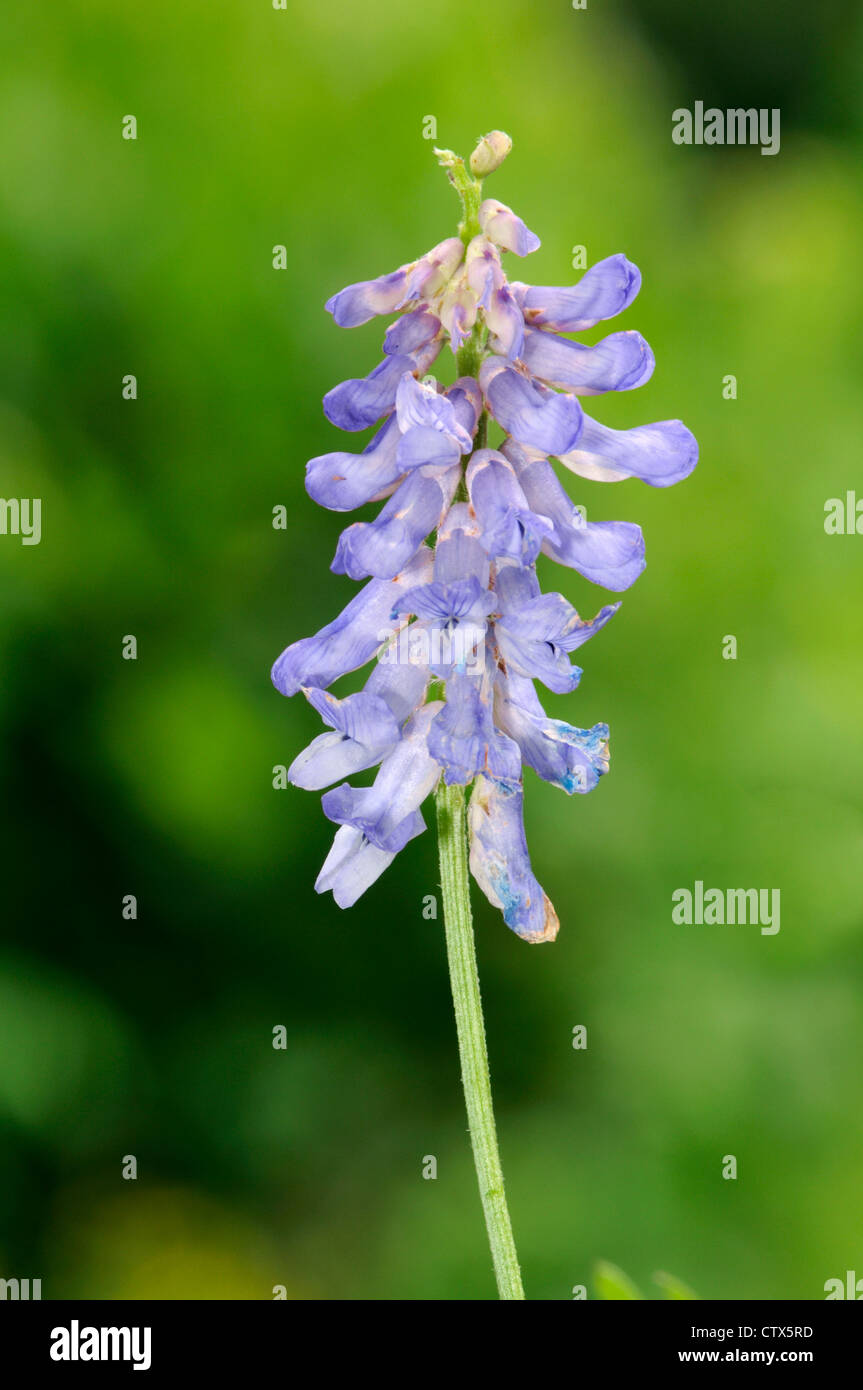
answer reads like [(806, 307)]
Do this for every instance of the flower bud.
[(490, 153)]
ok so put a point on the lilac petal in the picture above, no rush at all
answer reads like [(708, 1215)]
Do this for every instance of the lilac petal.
[(452, 624), (424, 407), (552, 618), (500, 863), (388, 812), (359, 402), (483, 270), (458, 310), (515, 585), (501, 225), (458, 552), (604, 290), (361, 718), (463, 600), (610, 553), (352, 638), (400, 684), (505, 323), (571, 758), (364, 729), (619, 362), (530, 413), (342, 481), (508, 526), (383, 547), (352, 865), (360, 302), (463, 738), (411, 331), (327, 759), (535, 639), (356, 806), (435, 269), (467, 405), (659, 454), (421, 446)]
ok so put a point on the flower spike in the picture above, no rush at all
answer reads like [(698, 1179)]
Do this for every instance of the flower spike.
[(452, 614)]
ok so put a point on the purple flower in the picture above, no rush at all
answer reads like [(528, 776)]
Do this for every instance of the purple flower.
[(610, 553), (606, 289), (361, 302), (360, 402), (500, 863), (364, 728), (500, 224), (659, 454), (508, 528), (388, 812), (452, 615), (382, 548), (529, 411), (616, 363)]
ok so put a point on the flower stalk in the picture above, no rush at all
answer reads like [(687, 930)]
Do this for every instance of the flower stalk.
[(476, 1079), (452, 617)]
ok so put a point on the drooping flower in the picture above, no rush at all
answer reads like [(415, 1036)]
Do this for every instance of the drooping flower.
[(452, 613)]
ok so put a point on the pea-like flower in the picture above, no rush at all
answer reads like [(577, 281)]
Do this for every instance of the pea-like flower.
[(452, 614)]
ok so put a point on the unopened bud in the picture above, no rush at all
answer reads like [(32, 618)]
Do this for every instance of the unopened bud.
[(490, 153)]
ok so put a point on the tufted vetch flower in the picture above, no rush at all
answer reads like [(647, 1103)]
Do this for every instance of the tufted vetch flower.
[(451, 615)]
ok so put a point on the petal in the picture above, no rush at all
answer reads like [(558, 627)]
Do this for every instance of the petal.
[(570, 758), (441, 603), (328, 758), (610, 553), (467, 406), (352, 866), (659, 454), (418, 405), (500, 863), (463, 738), (360, 401), (422, 445), (360, 718), (501, 225), (383, 547), (342, 481), (360, 302), (401, 685), (483, 269), (388, 812), (458, 551), (530, 413), (535, 639), (435, 269), (352, 638), (619, 362), (505, 322), (411, 331), (508, 525), (458, 309), (604, 290)]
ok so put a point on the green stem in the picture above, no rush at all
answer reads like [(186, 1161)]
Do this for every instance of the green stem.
[(464, 979), (469, 191)]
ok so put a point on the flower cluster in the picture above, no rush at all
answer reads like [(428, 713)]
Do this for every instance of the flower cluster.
[(458, 628)]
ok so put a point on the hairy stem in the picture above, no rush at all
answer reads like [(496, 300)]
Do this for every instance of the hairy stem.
[(464, 979)]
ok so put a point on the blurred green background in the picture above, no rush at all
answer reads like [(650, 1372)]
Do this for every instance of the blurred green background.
[(153, 1037)]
